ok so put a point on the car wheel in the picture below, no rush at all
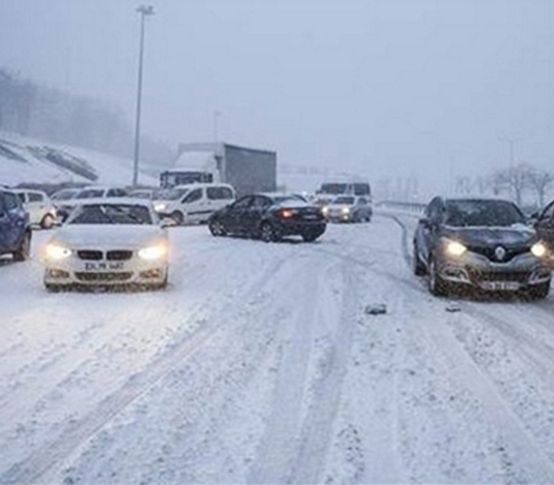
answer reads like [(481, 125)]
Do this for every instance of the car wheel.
[(540, 292), (47, 222), (24, 249), (268, 233), (436, 284), (310, 236), (178, 217), (216, 228), (417, 265)]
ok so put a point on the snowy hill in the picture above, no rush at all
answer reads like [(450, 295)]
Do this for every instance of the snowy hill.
[(26, 160)]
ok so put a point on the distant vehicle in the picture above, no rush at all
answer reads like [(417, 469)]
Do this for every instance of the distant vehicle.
[(248, 170), (15, 232), (90, 192), (349, 208), (330, 189), (544, 226), (147, 193), (269, 217), (108, 242), (194, 203), (479, 243), (64, 194), (41, 209)]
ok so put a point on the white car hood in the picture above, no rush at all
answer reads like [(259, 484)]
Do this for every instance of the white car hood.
[(124, 236)]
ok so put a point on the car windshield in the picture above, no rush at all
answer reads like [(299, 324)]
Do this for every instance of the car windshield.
[(90, 194), (173, 194), (333, 188), (111, 214), (482, 213), (344, 200)]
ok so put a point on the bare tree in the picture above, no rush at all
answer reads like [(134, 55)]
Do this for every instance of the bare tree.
[(540, 180), (515, 178)]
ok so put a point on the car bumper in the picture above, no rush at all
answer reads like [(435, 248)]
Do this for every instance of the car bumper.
[(295, 228), (132, 272), (521, 272)]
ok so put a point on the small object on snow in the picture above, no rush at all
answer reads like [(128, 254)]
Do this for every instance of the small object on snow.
[(376, 309), (453, 308)]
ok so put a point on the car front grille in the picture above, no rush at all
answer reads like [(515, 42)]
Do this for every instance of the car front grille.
[(104, 277), (119, 255), (489, 253), (90, 255), (514, 276)]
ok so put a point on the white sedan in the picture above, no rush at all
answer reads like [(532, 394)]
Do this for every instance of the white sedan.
[(108, 242)]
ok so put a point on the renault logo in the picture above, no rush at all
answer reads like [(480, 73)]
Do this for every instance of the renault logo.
[(500, 253)]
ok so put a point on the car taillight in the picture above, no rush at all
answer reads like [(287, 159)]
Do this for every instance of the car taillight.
[(286, 214)]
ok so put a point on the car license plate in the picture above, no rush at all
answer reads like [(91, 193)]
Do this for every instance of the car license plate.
[(104, 266), (500, 285), (310, 217)]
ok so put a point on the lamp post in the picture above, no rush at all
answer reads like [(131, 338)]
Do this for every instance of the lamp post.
[(143, 10)]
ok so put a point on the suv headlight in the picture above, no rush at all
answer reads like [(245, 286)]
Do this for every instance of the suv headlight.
[(538, 249), (57, 252), (345, 210), (455, 248), (152, 253), (160, 207)]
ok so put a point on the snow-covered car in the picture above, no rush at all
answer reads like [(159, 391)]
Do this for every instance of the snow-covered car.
[(41, 209), (269, 217), (108, 242), (483, 244), (349, 208), (194, 203)]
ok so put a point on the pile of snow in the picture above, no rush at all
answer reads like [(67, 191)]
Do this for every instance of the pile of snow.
[(27, 160)]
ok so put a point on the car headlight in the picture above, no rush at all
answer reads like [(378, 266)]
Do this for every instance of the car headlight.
[(160, 207), (455, 248), (57, 252), (345, 210), (152, 253), (325, 210), (538, 249)]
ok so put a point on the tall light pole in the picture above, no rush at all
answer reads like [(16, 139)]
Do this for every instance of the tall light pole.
[(143, 10), (217, 114), (511, 142)]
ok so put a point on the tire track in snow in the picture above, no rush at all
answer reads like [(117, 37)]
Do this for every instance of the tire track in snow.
[(50, 454)]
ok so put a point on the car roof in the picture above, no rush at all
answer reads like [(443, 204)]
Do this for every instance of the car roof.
[(477, 199), (114, 201)]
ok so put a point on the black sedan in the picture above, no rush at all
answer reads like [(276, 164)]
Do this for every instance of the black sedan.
[(269, 217), (479, 243)]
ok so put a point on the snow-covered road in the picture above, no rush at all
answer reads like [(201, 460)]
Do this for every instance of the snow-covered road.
[(260, 365)]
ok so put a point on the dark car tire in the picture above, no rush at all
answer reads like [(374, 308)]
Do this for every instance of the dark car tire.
[(268, 233), (437, 286), (24, 250), (310, 236), (417, 266), (216, 228), (47, 222), (539, 292), (178, 217)]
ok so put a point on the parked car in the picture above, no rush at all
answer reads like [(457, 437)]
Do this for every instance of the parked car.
[(195, 203), (64, 194), (15, 232), (41, 209), (479, 243), (108, 242), (349, 208), (544, 226), (269, 217), (90, 192)]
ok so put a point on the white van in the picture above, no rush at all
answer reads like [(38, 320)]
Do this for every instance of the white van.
[(194, 203), (39, 206)]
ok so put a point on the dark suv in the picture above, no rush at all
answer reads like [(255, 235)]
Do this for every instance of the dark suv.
[(479, 243), (15, 232)]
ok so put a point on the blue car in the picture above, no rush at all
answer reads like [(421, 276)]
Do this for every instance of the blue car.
[(15, 232)]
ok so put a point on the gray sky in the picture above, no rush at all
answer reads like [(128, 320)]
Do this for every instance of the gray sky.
[(382, 87)]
